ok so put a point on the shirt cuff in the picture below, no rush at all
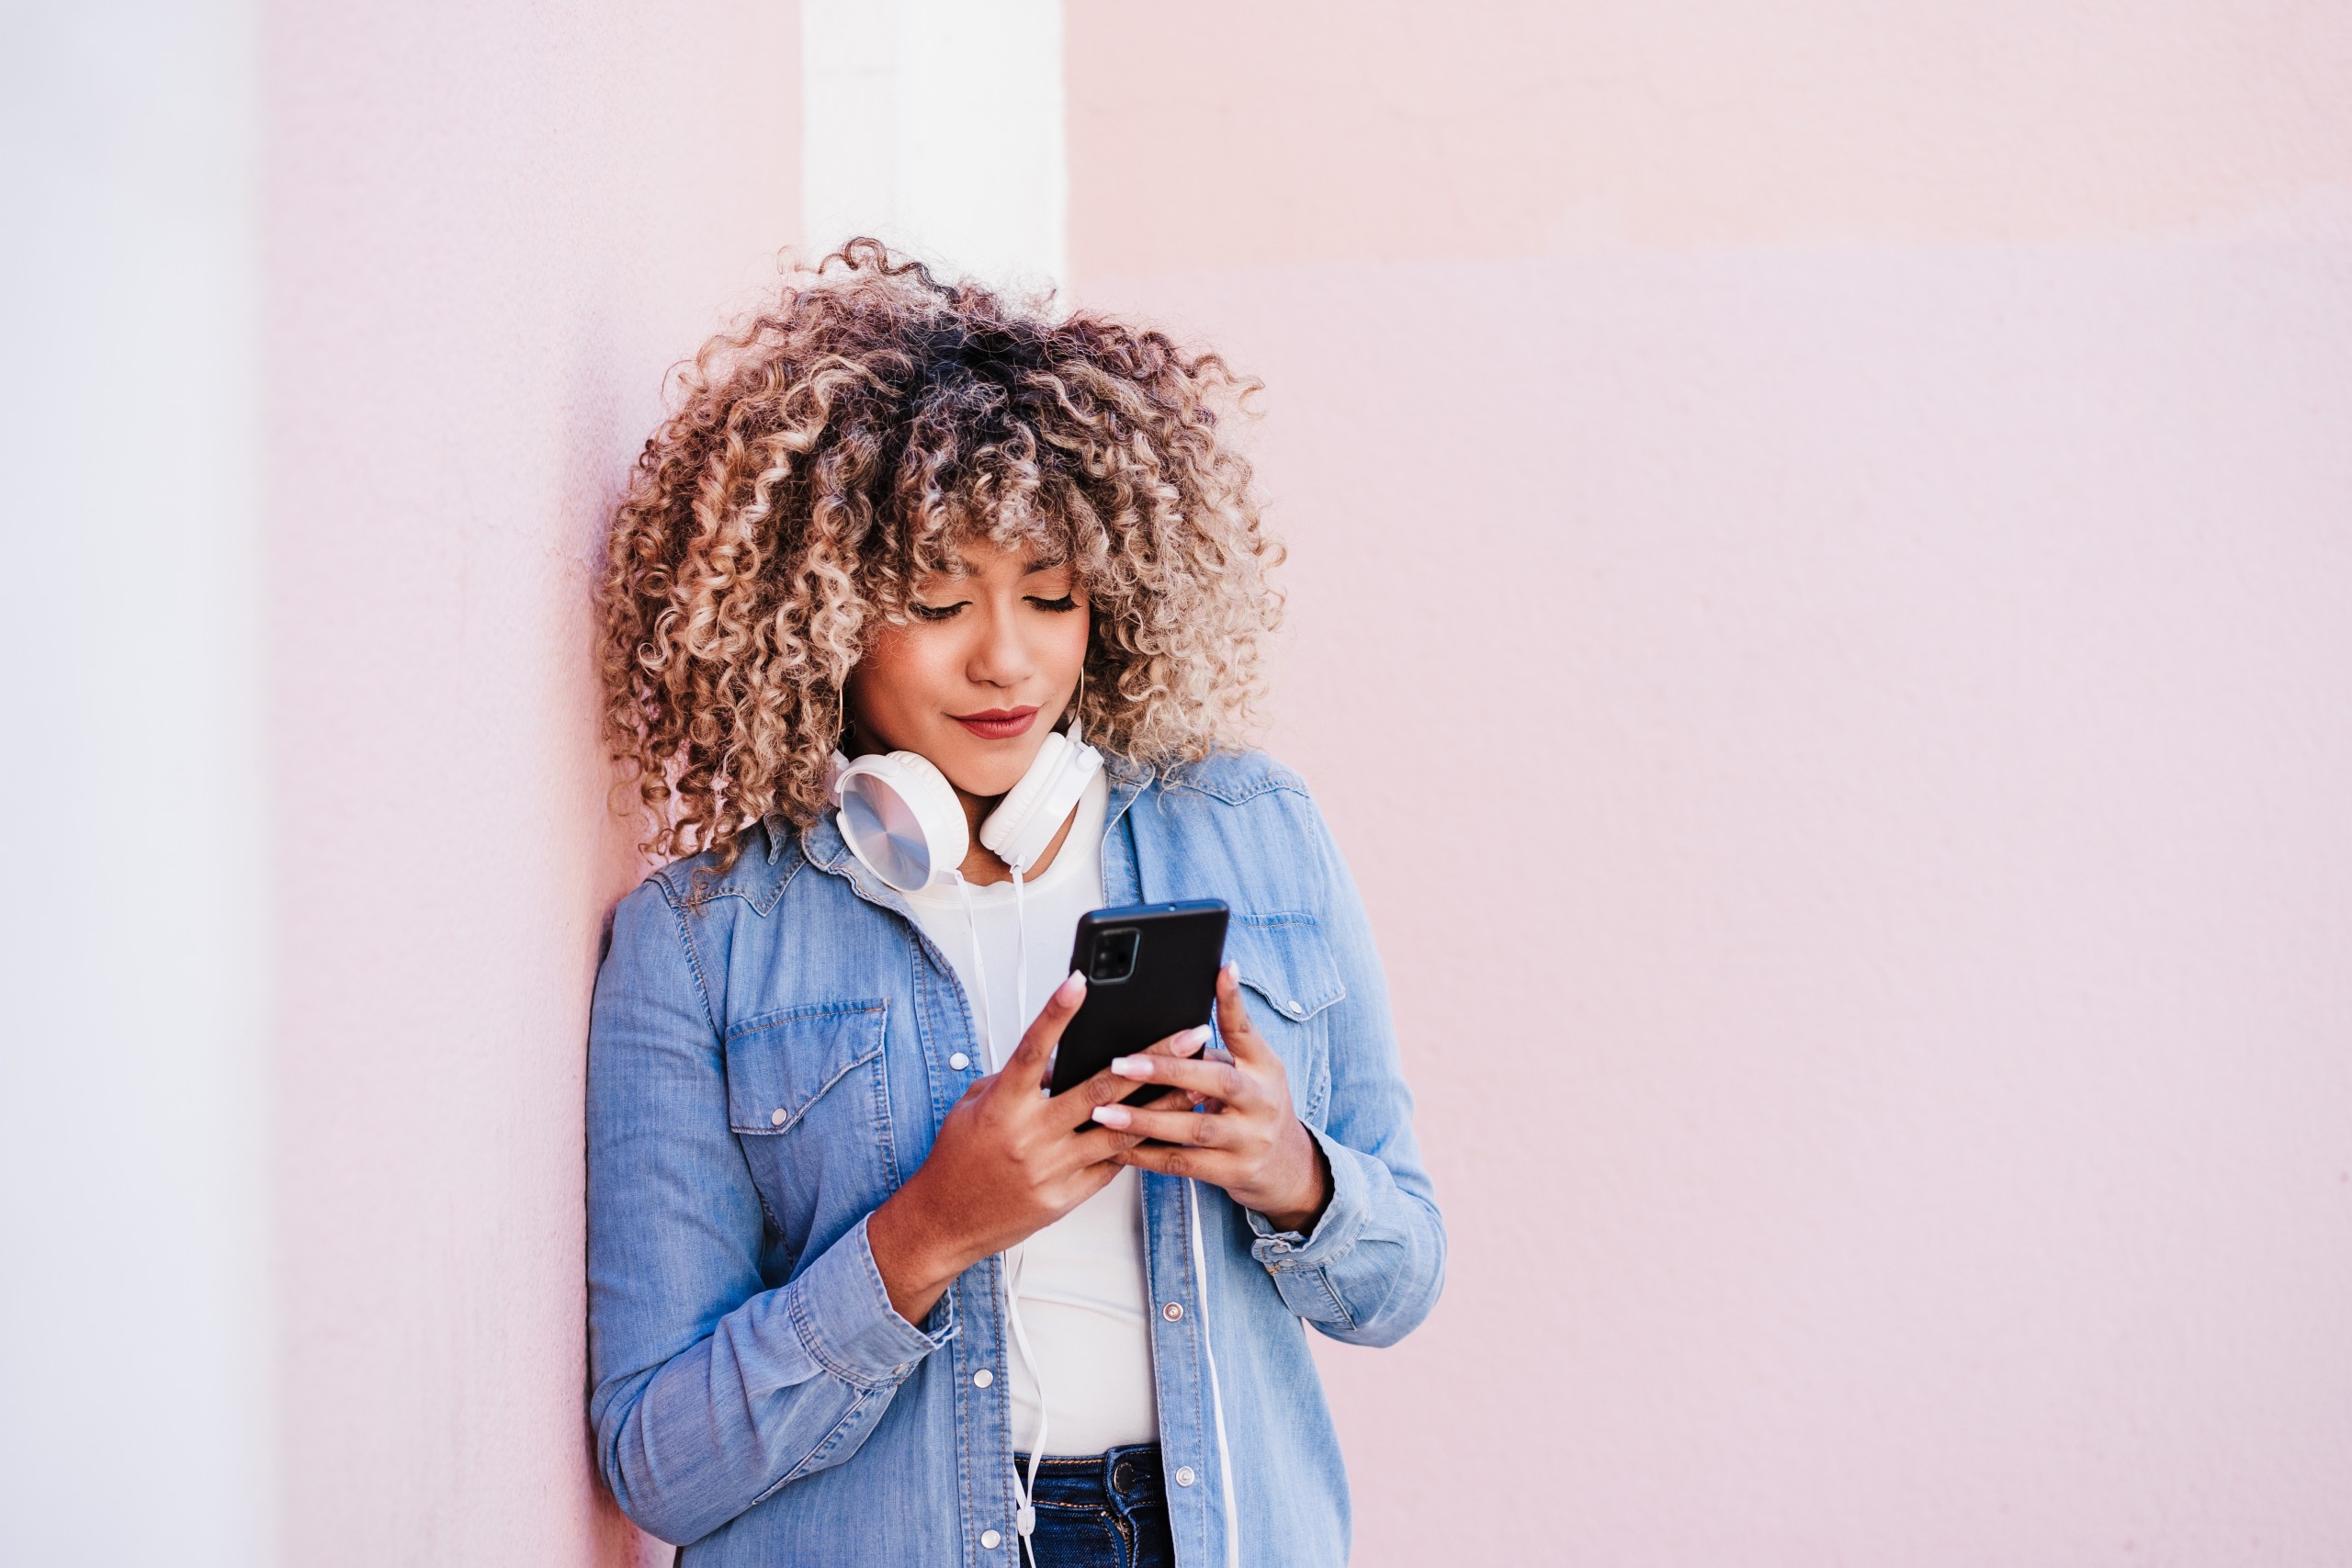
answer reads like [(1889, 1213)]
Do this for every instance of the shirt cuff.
[(842, 1313), (1334, 1233)]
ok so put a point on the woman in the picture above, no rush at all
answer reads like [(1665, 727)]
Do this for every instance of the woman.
[(858, 1290)]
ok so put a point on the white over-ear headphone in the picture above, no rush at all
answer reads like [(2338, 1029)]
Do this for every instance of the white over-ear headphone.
[(900, 815)]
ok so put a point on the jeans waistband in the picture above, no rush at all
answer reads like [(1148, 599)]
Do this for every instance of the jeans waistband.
[(1124, 1476)]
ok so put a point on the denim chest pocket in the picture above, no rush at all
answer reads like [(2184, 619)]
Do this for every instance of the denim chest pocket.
[(809, 1099), (1292, 978)]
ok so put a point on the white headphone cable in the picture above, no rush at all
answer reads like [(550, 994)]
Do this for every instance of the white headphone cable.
[(1025, 1489), (1024, 1522), (1216, 1397), (979, 969), (1020, 953)]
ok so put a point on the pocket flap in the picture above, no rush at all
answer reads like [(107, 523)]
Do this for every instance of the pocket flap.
[(1284, 959), (780, 1064)]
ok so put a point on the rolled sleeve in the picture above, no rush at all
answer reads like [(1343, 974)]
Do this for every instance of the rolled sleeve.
[(842, 1311), (1302, 1265)]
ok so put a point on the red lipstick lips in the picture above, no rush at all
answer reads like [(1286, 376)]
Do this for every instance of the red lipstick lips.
[(998, 724)]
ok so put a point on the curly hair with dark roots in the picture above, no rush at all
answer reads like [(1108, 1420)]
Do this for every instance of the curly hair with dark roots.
[(847, 439)]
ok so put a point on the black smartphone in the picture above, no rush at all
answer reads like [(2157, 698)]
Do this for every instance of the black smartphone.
[(1150, 971)]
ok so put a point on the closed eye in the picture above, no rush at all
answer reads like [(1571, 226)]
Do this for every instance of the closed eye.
[(1067, 602), (935, 612)]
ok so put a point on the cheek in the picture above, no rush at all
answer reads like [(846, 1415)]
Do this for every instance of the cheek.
[(905, 673), (1066, 649)]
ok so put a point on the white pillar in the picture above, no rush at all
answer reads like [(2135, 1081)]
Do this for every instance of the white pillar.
[(133, 1392), (937, 124)]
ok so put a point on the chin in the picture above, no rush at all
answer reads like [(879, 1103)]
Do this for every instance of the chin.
[(977, 768)]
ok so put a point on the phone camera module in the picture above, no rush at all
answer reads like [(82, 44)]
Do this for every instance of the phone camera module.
[(1114, 955)]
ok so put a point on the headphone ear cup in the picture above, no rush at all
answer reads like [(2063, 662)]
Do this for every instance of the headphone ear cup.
[(1025, 820), (1004, 825), (901, 818)]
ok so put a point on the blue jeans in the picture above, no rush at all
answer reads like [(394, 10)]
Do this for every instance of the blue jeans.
[(1104, 1510)]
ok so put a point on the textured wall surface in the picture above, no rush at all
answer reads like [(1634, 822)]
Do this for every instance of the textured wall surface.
[(1822, 594), (487, 232)]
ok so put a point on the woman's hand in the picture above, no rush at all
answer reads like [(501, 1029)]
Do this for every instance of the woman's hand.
[(1247, 1140), (1008, 1162)]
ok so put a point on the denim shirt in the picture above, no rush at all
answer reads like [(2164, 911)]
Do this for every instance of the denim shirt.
[(770, 1056)]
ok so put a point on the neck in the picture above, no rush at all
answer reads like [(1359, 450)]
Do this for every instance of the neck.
[(976, 809), (981, 867)]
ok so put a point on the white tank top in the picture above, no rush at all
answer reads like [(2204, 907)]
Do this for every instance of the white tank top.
[(1080, 1280)]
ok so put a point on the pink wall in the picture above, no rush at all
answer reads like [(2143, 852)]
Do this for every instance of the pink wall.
[(486, 235), (1882, 475), (1877, 481)]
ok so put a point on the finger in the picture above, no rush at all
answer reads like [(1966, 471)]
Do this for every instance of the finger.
[(1212, 1080), (1215, 1167), (1170, 1126), (1025, 1068), (1089, 1181), (1096, 1145), (1108, 1086), (1076, 1108), (1241, 1036), (1183, 1043)]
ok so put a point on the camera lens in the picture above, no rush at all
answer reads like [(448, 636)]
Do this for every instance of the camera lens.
[(1114, 955)]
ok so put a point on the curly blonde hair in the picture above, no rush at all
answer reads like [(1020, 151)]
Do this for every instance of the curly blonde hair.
[(844, 440)]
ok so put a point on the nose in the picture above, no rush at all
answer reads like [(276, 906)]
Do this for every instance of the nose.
[(1001, 658)]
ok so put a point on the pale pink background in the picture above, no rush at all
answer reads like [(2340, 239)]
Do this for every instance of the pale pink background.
[(1823, 551), (487, 234), (1822, 594)]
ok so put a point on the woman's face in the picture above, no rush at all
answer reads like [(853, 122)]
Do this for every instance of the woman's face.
[(979, 675)]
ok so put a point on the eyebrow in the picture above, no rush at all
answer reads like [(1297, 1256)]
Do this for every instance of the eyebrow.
[(959, 570)]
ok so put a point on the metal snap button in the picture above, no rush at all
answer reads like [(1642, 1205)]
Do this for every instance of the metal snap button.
[(1184, 1476), (960, 1061), (775, 1117), (982, 1378), (1172, 1311), (990, 1539)]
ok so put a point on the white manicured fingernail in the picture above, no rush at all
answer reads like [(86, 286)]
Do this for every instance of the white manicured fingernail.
[(1193, 1040), (1070, 990), (1131, 1066), (1113, 1115)]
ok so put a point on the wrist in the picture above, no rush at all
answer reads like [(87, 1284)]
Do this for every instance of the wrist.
[(914, 1258), (1313, 1195)]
